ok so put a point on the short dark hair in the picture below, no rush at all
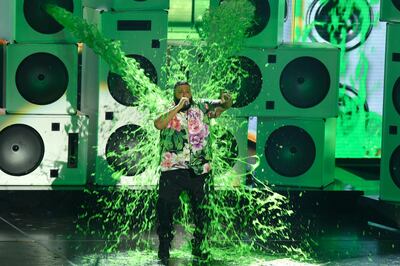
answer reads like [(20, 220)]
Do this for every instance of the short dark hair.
[(181, 82)]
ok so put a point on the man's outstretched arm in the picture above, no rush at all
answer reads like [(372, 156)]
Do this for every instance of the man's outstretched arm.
[(226, 103)]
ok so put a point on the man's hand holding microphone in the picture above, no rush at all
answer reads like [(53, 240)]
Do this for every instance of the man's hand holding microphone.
[(183, 102)]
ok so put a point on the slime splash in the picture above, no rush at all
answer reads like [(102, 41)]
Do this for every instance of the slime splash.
[(243, 219)]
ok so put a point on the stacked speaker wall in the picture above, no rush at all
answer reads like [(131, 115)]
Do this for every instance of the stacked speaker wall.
[(43, 139), (292, 91)]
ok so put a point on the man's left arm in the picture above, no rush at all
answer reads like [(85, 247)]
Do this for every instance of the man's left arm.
[(225, 104)]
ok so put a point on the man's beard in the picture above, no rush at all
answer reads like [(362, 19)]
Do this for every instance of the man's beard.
[(185, 107)]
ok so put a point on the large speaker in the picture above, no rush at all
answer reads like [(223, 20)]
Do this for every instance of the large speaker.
[(267, 28), (252, 85), (292, 80), (43, 150), (123, 5), (116, 164), (390, 10), (296, 152), (390, 160), (304, 81), (130, 25), (232, 140), (25, 21), (41, 78)]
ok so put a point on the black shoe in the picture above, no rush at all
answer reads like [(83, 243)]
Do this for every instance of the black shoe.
[(163, 251), (164, 261), (199, 253)]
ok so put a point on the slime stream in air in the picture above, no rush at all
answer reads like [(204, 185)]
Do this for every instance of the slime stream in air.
[(244, 219)]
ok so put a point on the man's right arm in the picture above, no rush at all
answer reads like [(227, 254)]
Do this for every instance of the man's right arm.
[(162, 121)]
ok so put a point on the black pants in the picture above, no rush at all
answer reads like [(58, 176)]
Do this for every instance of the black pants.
[(171, 184)]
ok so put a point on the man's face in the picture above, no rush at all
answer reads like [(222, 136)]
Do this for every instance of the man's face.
[(183, 91)]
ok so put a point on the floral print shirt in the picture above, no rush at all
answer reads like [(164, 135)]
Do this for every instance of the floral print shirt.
[(185, 142)]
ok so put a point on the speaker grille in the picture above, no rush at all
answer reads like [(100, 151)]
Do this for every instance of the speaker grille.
[(40, 20), (41, 78), (290, 151), (21, 149), (120, 150), (305, 82), (118, 87), (249, 85)]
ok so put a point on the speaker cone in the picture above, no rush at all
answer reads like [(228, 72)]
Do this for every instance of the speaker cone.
[(261, 17), (395, 166), (39, 19), (118, 87), (120, 149), (396, 3), (305, 82), (396, 95), (21, 150), (41, 78), (248, 86), (349, 25), (290, 151)]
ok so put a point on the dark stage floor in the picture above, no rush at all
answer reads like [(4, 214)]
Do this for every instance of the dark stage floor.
[(350, 228)]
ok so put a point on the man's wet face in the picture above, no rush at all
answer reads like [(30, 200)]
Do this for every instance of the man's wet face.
[(183, 91)]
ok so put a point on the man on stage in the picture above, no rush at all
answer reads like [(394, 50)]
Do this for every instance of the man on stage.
[(185, 164)]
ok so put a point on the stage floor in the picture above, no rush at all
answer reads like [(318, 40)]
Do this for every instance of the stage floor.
[(37, 228)]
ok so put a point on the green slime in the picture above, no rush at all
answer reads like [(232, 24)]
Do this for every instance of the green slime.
[(244, 219)]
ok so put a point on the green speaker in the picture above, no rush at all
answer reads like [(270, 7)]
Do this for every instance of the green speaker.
[(266, 30), (292, 80), (110, 106), (41, 150), (123, 5), (390, 11), (41, 78), (303, 81), (235, 136), (130, 25), (24, 21), (251, 86), (296, 152), (115, 164), (390, 157)]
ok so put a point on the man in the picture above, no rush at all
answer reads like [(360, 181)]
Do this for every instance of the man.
[(185, 164)]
